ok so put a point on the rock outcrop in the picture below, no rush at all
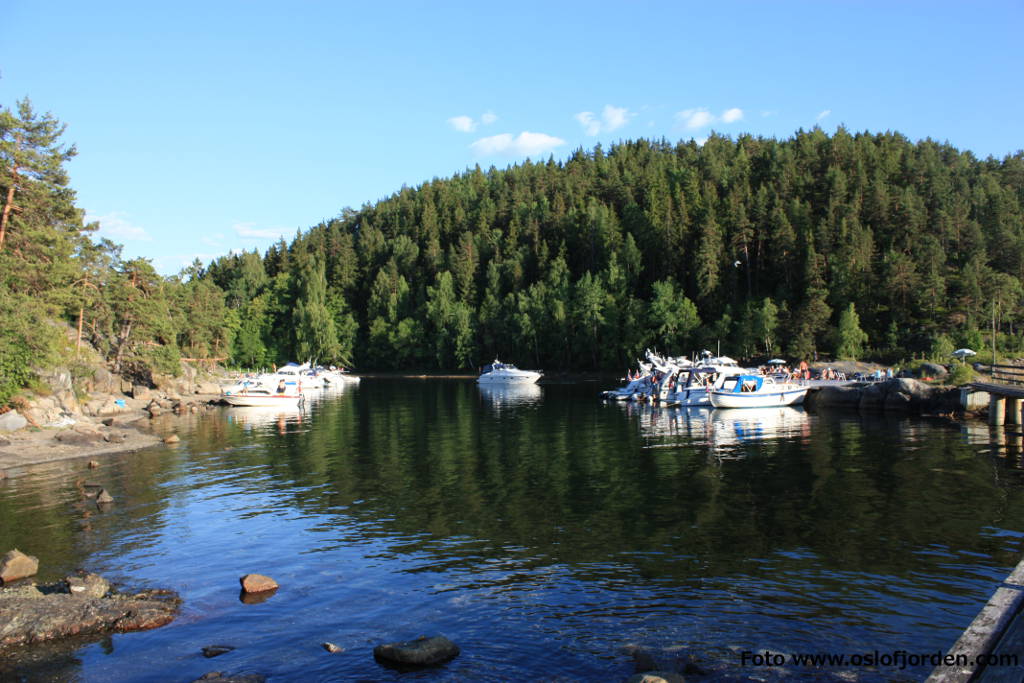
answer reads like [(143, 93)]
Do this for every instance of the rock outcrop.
[(899, 395), (80, 605)]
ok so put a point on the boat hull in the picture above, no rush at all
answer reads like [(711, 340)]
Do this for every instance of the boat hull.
[(257, 401), (521, 377), (758, 399)]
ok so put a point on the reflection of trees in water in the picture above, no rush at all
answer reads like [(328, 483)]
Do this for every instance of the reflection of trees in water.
[(570, 480), (574, 483)]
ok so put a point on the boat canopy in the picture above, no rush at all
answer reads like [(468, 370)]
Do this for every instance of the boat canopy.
[(747, 383)]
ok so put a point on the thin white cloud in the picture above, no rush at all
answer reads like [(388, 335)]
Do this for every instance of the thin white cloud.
[(463, 124), (116, 226), (612, 118), (467, 124), (615, 117), (732, 115), (524, 144), (695, 118), (591, 124), (700, 117), (249, 230), (824, 114), (215, 240)]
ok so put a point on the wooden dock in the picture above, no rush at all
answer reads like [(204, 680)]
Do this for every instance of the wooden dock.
[(995, 635), (1005, 390)]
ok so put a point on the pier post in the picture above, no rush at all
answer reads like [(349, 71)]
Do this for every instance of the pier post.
[(1013, 411), (997, 410)]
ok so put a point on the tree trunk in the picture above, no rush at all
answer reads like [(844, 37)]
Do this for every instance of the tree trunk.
[(7, 208), (122, 342), (81, 318)]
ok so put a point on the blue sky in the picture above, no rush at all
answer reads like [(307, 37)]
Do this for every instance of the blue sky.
[(207, 127)]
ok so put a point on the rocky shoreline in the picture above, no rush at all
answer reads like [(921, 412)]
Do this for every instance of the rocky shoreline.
[(899, 395), (102, 415)]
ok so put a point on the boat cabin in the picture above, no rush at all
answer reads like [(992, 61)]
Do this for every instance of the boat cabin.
[(743, 384)]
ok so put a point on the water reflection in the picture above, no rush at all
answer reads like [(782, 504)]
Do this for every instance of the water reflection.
[(542, 540), (259, 417), (718, 427), (504, 396)]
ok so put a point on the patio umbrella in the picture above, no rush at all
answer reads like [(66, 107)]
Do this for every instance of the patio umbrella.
[(963, 353)]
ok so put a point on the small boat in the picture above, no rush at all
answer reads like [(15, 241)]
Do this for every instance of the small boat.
[(756, 391), (507, 373), (262, 397)]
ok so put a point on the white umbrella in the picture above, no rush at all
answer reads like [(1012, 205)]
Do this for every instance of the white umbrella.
[(776, 361), (963, 353)]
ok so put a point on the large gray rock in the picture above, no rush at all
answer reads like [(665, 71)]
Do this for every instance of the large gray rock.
[(422, 651), (35, 615), (834, 397), (11, 421), (72, 437), (17, 565), (141, 392), (932, 370), (85, 585)]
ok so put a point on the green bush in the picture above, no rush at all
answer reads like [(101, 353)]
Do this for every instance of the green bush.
[(961, 374)]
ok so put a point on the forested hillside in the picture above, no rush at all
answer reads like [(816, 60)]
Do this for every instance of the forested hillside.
[(845, 245)]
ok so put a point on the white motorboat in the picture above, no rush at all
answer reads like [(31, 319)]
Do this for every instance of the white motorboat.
[(262, 397), (339, 377), (756, 391), (507, 373)]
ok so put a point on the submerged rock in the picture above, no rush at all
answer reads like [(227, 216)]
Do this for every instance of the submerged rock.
[(221, 677), (36, 614), (656, 677), (422, 651), (17, 565), (217, 650)]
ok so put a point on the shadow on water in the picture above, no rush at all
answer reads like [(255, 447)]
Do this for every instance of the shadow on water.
[(542, 530)]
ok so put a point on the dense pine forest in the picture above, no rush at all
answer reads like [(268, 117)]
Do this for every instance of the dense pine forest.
[(848, 245)]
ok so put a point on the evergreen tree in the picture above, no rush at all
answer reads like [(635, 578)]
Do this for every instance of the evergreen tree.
[(851, 338)]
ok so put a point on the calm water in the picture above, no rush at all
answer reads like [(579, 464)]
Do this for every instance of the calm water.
[(543, 531)]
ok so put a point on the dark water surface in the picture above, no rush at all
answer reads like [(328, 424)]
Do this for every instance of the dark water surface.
[(543, 531)]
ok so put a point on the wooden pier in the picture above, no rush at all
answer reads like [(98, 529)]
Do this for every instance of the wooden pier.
[(1006, 391), (996, 635)]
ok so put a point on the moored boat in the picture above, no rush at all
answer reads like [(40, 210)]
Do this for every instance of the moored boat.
[(756, 391), (262, 397), (507, 373)]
